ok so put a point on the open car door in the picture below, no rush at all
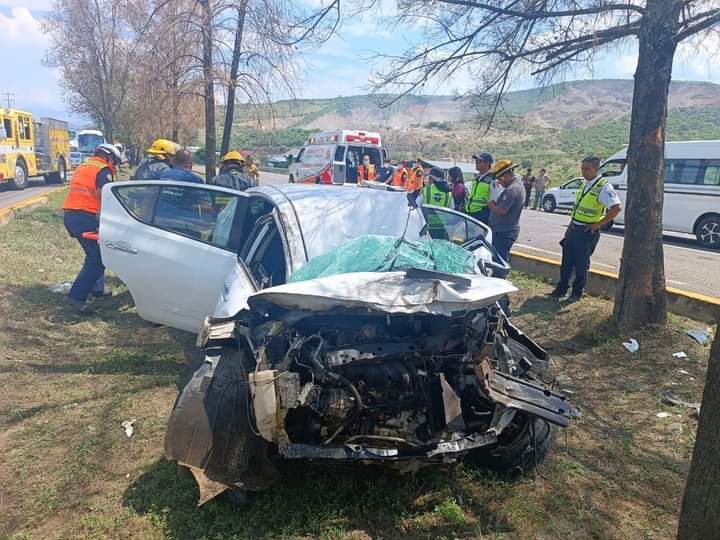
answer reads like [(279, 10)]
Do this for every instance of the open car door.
[(174, 244)]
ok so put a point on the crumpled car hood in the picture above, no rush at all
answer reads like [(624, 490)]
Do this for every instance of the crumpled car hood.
[(390, 292)]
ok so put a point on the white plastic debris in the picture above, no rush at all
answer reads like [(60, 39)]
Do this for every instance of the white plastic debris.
[(129, 426), (683, 372), (680, 354), (61, 288), (700, 336), (632, 345), (662, 415)]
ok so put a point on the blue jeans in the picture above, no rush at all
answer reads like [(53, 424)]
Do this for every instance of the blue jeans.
[(92, 274), (502, 241)]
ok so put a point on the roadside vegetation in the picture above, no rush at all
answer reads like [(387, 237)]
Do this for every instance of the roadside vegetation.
[(69, 471)]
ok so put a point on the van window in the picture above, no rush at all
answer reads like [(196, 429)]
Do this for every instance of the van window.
[(712, 174), (682, 171), (340, 154), (374, 154), (613, 168)]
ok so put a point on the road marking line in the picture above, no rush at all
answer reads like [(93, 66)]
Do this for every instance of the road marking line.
[(611, 266)]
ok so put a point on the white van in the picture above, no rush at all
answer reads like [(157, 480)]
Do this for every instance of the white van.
[(332, 157), (692, 188)]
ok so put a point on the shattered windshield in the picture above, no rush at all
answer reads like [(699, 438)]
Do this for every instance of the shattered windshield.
[(376, 253)]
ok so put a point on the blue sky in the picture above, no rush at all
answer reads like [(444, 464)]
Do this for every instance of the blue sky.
[(339, 67)]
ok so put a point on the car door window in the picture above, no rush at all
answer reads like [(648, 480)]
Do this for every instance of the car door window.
[(198, 213), (573, 184), (444, 225)]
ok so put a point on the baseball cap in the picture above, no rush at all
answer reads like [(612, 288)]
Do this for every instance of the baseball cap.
[(483, 157)]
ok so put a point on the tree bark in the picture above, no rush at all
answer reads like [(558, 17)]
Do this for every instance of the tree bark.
[(699, 514), (208, 81), (232, 83), (640, 294)]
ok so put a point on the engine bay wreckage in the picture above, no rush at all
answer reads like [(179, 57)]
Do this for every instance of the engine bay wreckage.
[(407, 368)]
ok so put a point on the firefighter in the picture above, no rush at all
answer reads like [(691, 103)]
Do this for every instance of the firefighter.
[(414, 186), (251, 171), (82, 210), (232, 172), (161, 153), (366, 171)]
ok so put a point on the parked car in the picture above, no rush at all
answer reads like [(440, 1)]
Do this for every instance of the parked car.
[(561, 197), (404, 367)]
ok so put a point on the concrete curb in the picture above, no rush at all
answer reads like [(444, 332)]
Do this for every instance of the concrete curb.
[(688, 304), (7, 214)]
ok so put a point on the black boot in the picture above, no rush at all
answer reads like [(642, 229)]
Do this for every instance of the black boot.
[(574, 297), (558, 292)]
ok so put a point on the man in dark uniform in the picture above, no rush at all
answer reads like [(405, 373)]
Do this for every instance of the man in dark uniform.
[(81, 219), (161, 152), (596, 204), (232, 175)]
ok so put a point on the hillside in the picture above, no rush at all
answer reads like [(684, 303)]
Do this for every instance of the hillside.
[(551, 127)]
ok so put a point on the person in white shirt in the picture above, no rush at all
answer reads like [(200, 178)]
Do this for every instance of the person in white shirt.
[(596, 204)]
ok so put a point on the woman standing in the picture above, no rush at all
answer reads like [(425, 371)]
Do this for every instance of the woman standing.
[(458, 188)]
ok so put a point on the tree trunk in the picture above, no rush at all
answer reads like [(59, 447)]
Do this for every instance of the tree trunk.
[(232, 83), (640, 294), (701, 502), (209, 89)]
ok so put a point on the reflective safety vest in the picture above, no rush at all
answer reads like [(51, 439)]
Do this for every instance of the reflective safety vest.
[(83, 193), (366, 174), (432, 196), (415, 181), (588, 208), (400, 177), (480, 194)]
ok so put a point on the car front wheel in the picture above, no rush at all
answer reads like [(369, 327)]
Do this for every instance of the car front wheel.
[(549, 204), (708, 232)]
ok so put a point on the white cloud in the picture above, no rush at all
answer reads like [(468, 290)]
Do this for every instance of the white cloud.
[(21, 29), (32, 5)]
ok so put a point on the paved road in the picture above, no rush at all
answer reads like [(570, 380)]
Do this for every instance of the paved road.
[(36, 186), (687, 265)]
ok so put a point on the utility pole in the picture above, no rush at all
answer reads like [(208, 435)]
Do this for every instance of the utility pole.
[(9, 98)]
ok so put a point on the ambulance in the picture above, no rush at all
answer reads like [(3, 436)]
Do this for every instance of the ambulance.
[(30, 147), (332, 157)]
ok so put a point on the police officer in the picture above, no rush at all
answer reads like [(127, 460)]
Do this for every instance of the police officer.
[(232, 173), (436, 193), (478, 194), (161, 152), (596, 204), (82, 208)]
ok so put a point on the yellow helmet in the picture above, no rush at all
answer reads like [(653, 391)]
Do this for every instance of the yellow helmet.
[(502, 166), (232, 155), (162, 147)]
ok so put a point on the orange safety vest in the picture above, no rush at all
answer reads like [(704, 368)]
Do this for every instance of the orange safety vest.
[(366, 175), (415, 182), (83, 193), (400, 177)]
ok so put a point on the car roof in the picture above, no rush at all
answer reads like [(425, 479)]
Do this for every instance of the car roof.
[(329, 216)]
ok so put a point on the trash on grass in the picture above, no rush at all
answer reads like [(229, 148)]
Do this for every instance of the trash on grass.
[(694, 406), (129, 426), (680, 354), (683, 372), (701, 336), (632, 345), (662, 415), (61, 288)]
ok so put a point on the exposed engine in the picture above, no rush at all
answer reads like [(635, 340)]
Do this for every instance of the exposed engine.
[(346, 386)]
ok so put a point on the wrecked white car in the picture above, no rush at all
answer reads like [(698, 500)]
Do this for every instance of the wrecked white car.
[(402, 365)]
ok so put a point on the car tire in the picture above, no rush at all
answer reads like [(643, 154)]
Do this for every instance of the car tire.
[(707, 231), (518, 454), (549, 204), (20, 181), (58, 177)]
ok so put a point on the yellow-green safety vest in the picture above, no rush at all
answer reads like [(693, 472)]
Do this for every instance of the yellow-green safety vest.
[(480, 194), (588, 208), (432, 196)]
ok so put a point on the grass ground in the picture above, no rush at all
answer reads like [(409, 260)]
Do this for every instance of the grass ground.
[(69, 471)]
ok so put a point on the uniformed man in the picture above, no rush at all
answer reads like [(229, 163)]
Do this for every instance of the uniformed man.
[(81, 219), (232, 173), (160, 153), (596, 204), (436, 193), (479, 192), (386, 172), (400, 178)]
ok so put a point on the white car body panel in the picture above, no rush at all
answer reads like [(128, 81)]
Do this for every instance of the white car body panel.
[(389, 292)]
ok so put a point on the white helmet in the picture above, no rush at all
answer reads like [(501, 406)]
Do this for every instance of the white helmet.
[(111, 150)]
